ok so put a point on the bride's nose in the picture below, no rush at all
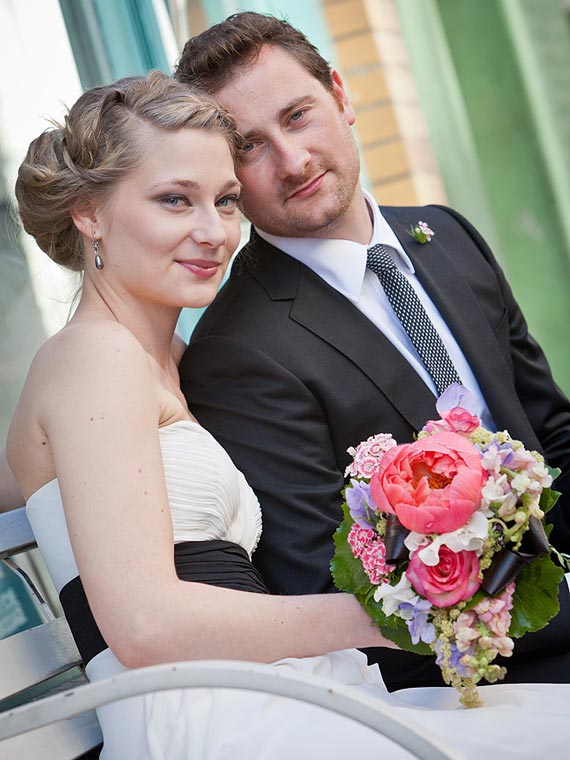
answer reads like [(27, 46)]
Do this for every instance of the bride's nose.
[(208, 229)]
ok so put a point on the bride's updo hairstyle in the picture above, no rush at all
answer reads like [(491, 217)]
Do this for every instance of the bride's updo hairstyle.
[(97, 146)]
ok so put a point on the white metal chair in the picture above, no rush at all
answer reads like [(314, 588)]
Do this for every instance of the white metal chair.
[(63, 726)]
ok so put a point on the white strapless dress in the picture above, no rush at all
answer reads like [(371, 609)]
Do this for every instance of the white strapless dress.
[(210, 499)]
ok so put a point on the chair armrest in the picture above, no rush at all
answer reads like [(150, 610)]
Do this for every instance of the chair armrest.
[(229, 675)]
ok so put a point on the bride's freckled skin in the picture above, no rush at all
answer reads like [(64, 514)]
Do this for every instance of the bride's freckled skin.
[(165, 229), (165, 232)]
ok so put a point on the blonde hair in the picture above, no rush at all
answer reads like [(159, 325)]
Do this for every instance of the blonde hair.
[(83, 159)]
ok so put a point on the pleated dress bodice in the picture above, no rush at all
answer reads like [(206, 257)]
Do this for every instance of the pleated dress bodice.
[(208, 499)]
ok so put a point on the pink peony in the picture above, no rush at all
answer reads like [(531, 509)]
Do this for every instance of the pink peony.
[(432, 485), (453, 579)]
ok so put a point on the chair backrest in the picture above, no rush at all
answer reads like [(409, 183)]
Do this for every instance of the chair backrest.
[(40, 655), (40, 661), (16, 534)]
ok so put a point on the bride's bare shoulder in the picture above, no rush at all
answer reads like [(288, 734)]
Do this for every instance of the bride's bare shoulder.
[(86, 343), (92, 357)]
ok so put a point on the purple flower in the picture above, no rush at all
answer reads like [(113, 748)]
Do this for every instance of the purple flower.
[(416, 617), (456, 395), (496, 456), (358, 499), (454, 660)]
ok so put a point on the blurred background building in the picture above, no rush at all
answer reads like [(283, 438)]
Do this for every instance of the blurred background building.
[(462, 102)]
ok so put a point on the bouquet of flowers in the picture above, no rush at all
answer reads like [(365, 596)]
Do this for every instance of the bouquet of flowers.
[(443, 542)]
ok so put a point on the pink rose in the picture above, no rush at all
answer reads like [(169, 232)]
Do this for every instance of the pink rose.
[(456, 420), (453, 579), (432, 485)]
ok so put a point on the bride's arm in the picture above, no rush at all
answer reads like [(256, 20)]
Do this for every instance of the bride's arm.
[(102, 431), (10, 494)]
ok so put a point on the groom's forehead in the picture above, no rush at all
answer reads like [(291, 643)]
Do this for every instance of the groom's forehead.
[(269, 86)]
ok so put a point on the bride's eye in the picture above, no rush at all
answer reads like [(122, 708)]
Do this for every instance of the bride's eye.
[(173, 201), (228, 201)]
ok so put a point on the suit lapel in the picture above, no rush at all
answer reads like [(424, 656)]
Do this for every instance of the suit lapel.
[(447, 287), (335, 320)]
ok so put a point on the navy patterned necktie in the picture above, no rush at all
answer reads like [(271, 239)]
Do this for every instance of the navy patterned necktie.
[(415, 321)]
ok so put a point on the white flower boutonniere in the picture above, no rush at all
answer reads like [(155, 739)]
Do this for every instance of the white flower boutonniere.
[(421, 232)]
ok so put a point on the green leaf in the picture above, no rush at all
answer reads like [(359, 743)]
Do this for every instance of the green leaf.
[(548, 499), (477, 597), (347, 571), (401, 636), (554, 472), (535, 600), (394, 628), (348, 575)]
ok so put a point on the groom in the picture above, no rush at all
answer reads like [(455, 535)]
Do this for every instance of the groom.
[(310, 349)]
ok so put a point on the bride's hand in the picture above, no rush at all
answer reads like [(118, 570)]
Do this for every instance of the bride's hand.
[(369, 635)]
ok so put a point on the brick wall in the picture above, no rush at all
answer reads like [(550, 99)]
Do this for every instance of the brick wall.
[(373, 62)]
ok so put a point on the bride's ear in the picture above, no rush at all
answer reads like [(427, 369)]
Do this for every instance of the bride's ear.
[(86, 218)]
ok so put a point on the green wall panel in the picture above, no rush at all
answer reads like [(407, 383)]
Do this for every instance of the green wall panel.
[(113, 38), (511, 165)]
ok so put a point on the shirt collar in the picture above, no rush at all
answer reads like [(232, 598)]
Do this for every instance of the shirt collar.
[(342, 263)]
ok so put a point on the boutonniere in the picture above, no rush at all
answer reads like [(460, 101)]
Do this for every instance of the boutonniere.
[(421, 232)]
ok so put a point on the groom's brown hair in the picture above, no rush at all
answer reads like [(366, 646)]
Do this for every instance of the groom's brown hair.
[(210, 59)]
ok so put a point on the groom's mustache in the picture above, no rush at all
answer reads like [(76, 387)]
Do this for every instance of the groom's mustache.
[(292, 185)]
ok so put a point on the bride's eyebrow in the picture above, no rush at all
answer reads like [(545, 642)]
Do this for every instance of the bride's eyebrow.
[(180, 182), (232, 184)]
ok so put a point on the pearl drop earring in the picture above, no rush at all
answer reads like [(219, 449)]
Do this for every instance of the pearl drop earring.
[(99, 263)]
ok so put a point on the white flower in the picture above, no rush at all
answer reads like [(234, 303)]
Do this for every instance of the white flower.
[(421, 232), (428, 232), (492, 460), (508, 506), (468, 538), (498, 490), (414, 540), (534, 509), (540, 472), (520, 482), (495, 489), (392, 596)]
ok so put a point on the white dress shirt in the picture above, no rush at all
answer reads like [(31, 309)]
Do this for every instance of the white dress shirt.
[(342, 264)]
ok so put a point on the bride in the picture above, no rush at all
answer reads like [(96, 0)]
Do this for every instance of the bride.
[(146, 526)]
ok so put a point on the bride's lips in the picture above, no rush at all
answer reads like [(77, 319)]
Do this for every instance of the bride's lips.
[(308, 189), (200, 267)]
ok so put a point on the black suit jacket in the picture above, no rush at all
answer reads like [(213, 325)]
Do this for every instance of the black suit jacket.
[(287, 374)]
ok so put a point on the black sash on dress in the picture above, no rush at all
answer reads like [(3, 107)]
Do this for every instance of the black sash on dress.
[(215, 562)]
